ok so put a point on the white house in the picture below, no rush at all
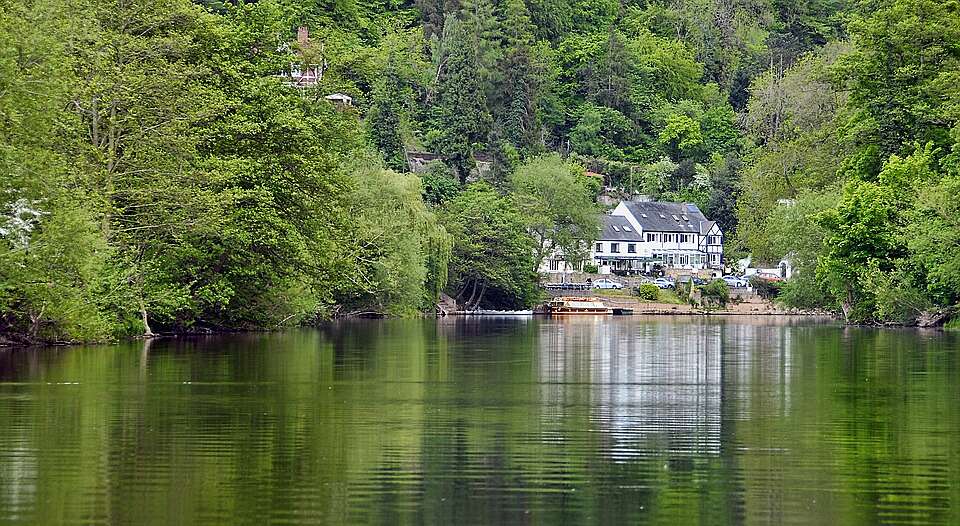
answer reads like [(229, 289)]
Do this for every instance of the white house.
[(638, 235)]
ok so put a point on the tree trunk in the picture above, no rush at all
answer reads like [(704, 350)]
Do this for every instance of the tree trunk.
[(473, 294), (483, 290), (147, 332)]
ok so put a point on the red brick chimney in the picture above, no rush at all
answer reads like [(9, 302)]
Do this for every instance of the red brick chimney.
[(303, 36)]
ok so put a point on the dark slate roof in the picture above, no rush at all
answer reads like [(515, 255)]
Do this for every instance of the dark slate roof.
[(656, 216), (623, 232)]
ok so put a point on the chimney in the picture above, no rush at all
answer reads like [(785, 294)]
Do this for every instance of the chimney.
[(303, 36)]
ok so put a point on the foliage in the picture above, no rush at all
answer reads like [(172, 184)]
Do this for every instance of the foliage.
[(648, 291), (765, 288), (557, 206), (792, 230), (156, 173), (399, 247), (902, 76), (715, 294), (461, 115), (439, 183), (492, 260)]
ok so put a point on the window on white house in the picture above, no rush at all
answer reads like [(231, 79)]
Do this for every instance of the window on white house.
[(615, 248), (555, 264), (599, 247), (632, 248), (650, 237)]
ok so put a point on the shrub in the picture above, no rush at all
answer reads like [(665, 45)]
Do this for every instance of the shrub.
[(765, 288), (648, 291), (715, 293), (590, 269)]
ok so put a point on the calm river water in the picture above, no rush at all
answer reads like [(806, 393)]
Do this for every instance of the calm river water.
[(682, 420)]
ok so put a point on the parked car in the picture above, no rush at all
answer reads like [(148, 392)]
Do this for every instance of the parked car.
[(769, 277), (697, 280), (734, 281), (604, 283), (664, 283)]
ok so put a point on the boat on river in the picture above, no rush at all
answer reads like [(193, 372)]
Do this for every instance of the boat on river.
[(567, 305)]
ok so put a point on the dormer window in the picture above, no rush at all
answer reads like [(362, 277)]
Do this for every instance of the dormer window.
[(616, 228), (626, 229)]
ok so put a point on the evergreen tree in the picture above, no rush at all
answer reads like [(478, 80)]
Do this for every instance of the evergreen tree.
[(483, 36), (518, 97), (385, 119), (462, 118)]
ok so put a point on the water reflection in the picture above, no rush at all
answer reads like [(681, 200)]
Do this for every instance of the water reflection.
[(581, 420), (652, 385)]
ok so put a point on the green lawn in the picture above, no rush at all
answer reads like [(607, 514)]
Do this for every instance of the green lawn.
[(665, 296)]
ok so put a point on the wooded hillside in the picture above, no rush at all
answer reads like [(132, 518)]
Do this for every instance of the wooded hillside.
[(159, 174)]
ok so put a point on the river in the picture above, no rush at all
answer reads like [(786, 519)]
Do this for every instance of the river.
[(663, 420)]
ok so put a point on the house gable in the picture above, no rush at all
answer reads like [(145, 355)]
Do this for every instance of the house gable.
[(623, 211)]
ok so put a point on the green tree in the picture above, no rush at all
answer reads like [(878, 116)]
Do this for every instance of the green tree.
[(860, 240), (384, 120), (902, 78), (462, 117), (795, 233), (439, 183), (492, 261), (557, 205), (395, 238), (483, 35)]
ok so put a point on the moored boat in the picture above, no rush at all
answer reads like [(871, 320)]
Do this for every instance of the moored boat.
[(577, 305)]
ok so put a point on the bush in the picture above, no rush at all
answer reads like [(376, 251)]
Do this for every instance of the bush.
[(715, 293), (648, 291), (590, 269), (685, 290), (765, 288)]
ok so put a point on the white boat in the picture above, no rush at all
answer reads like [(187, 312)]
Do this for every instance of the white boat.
[(565, 305)]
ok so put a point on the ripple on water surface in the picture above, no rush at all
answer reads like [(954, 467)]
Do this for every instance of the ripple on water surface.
[(583, 421)]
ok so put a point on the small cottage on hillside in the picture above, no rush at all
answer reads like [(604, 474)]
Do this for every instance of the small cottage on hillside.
[(301, 73)]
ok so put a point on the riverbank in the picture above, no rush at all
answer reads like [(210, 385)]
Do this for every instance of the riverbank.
[(752, 306)]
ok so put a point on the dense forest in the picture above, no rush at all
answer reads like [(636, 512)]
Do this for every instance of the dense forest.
[(159, 174)]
